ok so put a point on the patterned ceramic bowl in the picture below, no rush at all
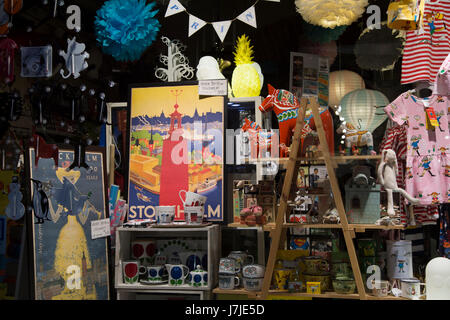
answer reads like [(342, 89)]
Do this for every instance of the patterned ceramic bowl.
[(253, 271)]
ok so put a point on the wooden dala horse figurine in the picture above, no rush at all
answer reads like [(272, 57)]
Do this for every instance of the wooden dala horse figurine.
[(285, 105)]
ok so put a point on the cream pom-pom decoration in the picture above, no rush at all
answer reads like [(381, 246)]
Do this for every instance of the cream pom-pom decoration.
[(331, 13)]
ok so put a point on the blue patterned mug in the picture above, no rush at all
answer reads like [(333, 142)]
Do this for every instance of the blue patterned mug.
[(177, 274), (156, 273)]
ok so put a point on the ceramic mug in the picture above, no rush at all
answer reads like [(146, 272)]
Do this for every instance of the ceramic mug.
[(315, 265), (411, 288), (194, 215), (177, 274), (381, 288), (253, 284), (253, 271), (282, 277), (229, 265), (143, 275), (228, 281), (242, 257), (192, 199), (165, 214), (156, 273), (130, 271)]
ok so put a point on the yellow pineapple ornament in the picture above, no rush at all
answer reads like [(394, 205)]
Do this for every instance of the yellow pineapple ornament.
[(247, 79)]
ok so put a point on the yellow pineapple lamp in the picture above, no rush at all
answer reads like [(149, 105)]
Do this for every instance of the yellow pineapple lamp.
[(247, 79)]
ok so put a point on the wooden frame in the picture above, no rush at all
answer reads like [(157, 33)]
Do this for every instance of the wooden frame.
[(139, 181), (50, 254)]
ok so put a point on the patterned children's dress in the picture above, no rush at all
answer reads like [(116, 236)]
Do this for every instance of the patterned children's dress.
[(395, 138), (427, 159)]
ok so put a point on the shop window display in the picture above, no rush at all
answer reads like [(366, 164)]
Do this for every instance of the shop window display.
[(206, 149)]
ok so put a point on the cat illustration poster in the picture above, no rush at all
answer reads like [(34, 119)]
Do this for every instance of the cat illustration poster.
[(175, 143), (68, 263)]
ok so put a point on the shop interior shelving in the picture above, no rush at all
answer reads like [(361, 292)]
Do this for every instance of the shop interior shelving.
[(278, 229)]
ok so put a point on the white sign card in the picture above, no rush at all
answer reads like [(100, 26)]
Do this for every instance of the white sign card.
[(100, 228), (213, 87)]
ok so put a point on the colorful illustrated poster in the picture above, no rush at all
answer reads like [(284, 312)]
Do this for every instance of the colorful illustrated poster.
[(176, 143), (68, 264), (309, 76)]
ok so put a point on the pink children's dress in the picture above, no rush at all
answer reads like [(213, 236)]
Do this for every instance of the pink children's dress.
[(427, 175)]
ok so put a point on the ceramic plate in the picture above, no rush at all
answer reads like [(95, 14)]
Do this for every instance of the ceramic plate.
[(153, 282)]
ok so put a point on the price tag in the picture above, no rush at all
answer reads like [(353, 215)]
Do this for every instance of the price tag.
[(213, 87), (431, 118), (100, 228)]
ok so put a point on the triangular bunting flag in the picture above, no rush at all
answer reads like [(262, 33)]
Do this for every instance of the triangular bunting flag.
[(195, 24), (248, 16), (221, 28), (174, 7)]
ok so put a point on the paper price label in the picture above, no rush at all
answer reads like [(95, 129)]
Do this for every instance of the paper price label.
[(100, 228), (213, 87)]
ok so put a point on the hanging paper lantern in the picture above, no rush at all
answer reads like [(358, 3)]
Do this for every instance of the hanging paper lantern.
[(126, 28), (331, 13), (359, 108), (378, 49), (325, 50), (322, 35), (341, 83)]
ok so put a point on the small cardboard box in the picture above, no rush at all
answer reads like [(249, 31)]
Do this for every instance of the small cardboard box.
[(313, 287)]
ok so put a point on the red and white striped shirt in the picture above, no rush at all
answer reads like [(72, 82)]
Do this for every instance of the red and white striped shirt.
[(423, 54)]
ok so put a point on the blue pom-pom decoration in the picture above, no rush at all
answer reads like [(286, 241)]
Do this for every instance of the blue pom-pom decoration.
[(126, 28)]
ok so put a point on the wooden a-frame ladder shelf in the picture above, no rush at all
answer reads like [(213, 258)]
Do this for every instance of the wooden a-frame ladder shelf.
[(278, 229)]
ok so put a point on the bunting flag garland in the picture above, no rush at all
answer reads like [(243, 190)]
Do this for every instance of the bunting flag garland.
[(174, 7), (221, 27), (248, 16)]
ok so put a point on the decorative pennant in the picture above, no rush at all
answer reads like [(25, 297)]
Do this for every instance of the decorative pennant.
[(195, 24), (221, 28), (174, 7), (248, 16)]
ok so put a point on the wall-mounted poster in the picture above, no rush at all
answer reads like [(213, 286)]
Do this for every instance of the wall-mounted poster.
[(68, 263), (309, 76), (176, 143)]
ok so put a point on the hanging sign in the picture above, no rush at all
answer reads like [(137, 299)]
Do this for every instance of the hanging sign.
[(248, 16), (174, 7), (195, 24), (221, 28)]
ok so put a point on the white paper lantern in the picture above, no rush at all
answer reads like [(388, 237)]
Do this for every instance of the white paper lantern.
[(342, 82), (359, 108)]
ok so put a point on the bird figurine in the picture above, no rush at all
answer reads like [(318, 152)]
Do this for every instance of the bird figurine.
[(40, 202)]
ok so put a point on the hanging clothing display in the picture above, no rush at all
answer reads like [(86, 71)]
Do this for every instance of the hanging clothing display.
[(395, 139), (444, 230), (427, 160), (426, 49)]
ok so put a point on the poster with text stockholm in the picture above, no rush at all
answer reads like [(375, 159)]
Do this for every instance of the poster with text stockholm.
[(176, 143), (68, 263)]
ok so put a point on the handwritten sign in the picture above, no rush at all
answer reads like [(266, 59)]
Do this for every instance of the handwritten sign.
[(100, 228), (213, 87)]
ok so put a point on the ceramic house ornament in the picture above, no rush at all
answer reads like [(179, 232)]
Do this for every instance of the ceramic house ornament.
[(74, 57), (177, 64)]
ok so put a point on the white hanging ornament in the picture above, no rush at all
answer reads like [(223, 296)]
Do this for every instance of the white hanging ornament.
[(177, 64), (73, 22), (75, 57)]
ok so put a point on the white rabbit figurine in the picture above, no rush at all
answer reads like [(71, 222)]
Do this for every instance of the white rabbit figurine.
[(387, 175)]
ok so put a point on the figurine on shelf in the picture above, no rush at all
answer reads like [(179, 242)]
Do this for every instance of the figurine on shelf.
[(286, 107), (387, 173), (331, 216), (355, 138)]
